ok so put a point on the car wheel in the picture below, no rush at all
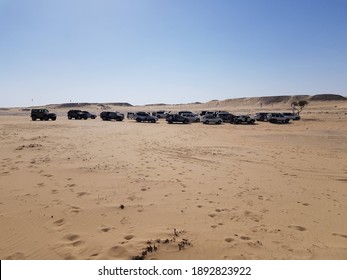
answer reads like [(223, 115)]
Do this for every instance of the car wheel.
[(153, 121), (219, 122), (33, 118), (206, 122), (53, 119), (85, 117), (138, 120), (69, 117)]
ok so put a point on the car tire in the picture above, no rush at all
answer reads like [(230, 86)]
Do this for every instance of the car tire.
[(206, 122), (219, 122), (33, 118), (69, 117)]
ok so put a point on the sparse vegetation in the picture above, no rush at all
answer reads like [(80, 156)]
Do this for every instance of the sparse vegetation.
[(297, 107)]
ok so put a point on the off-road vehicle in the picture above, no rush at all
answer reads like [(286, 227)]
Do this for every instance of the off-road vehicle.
[(160, 114), (131, 116), (79, 115), (42, 114), (277, 118), (192, 117), (291, 116), (261, 116), (226, 116), (107, 116), (243, 119), (176, 118), (145, 117), (211, 118)]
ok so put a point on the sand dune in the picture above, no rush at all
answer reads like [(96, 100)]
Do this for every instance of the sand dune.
[(120, 190)]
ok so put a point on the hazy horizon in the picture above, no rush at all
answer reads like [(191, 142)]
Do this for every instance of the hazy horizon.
[(162, 51)]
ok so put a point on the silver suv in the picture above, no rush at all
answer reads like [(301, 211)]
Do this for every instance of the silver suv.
[(277, 118), (292, 116), (192, 117)]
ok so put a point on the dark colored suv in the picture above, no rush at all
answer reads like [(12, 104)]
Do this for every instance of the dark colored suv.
[(226, 116), (145, 117), (78, 115), (42, 114), (176, 118), (261, 116), (107, 116)]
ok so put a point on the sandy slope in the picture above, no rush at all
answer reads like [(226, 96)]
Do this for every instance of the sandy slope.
[(222, 192)]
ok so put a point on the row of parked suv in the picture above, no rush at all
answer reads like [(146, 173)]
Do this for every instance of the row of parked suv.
[(185, 117)]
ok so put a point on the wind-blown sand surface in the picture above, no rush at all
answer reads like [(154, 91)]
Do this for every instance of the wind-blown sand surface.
[(194, 191)]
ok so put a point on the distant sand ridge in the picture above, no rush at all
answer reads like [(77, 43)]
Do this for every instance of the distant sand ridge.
[(89, 189)]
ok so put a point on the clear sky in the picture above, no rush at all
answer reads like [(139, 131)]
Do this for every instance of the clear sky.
[(169, 51)]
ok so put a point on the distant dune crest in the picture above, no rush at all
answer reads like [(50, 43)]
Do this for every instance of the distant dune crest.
[(84, 104), (234, 102), (268, 100)]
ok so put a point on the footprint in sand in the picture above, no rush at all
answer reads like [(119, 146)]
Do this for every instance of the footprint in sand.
[(341, 235), (16, 256), (229, 239), (80, 194), (75, 209), (245, 238), (117, 251), (299, 228), (129, 237), (105, 229), (59, 222), (71, 237), (77, 243)]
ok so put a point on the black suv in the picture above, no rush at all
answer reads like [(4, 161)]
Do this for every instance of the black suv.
[(42, 114), (107, 116), (171, 118), (78, 115)]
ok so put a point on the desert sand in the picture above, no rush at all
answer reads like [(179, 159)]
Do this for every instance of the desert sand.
[(89, 189)]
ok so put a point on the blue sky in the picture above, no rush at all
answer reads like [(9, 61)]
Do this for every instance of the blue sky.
[(169, 51)]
